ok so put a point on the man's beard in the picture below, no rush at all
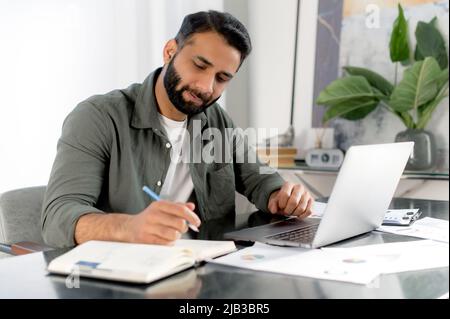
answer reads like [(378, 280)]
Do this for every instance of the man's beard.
[(171, 81)]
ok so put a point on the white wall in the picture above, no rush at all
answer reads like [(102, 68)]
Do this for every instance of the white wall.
[(237, 93), (304, 88), (269, 69), (272, 28), (56, 53)]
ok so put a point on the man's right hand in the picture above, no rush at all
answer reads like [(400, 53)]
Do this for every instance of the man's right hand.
[(162, 222)]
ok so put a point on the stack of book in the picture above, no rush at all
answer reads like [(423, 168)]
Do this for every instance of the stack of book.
[(277, 156)]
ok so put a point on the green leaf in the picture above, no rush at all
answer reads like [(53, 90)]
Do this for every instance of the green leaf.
[(442, 78), (428, 109), (361, 112), (399, 44), (430, 43), (417, 87), (374, 79), (441, 81), (433, 22), (345, 89), (406, 62), (351, 110), (407, 119), (418, 56)]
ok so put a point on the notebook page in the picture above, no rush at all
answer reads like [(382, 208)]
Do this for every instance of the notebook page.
[(206, 249), (123, 261)]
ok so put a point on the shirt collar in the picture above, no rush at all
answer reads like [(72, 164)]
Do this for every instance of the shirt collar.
[(145, 113)]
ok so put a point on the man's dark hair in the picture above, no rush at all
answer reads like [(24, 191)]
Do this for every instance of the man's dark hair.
[(233, 31)]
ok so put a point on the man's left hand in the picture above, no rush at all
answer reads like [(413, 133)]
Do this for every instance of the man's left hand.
[(291, 200)]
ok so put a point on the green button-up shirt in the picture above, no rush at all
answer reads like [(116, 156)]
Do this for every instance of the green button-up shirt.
[(113, 144)]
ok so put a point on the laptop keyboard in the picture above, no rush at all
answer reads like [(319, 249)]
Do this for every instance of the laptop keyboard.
[(302, 235)]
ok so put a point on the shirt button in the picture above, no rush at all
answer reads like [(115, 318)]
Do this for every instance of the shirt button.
[(159, 183), (168, 145)]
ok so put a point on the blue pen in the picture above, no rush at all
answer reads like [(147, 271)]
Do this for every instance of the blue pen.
[(155, 196)]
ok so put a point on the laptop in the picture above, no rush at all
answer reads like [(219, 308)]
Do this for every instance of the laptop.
[(358, 202)]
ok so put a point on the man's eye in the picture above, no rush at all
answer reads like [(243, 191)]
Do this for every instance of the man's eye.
[(201, 67), (222, 79)]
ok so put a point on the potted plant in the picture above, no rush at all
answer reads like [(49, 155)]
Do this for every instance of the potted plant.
[(413, 99)]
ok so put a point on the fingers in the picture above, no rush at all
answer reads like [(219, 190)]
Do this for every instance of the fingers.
[(303, 203), (303, 210), (273, 205), (190, 206), (165, 233), (309, 207), (165, 222), (284, 195), (179, 210), (161, 218), (156, 240), (294, 200)]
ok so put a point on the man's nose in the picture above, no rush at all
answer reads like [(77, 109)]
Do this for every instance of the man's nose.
[(205, 85)]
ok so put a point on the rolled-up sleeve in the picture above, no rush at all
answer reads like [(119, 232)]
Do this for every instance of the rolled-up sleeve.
[(77, 174)]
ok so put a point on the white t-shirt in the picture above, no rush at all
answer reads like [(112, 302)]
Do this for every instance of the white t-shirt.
[(177, 186)]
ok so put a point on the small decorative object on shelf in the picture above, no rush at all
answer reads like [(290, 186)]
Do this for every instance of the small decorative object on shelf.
[(282, 140), (324, 158)]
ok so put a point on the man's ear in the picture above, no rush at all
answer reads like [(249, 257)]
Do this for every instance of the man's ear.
[(170, 49)]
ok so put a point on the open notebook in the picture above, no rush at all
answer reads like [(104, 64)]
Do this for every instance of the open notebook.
[(138, 263)]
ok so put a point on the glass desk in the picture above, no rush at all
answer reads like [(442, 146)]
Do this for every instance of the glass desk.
[(26, 277)]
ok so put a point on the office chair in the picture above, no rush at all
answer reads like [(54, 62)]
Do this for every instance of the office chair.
[(20, 221)]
